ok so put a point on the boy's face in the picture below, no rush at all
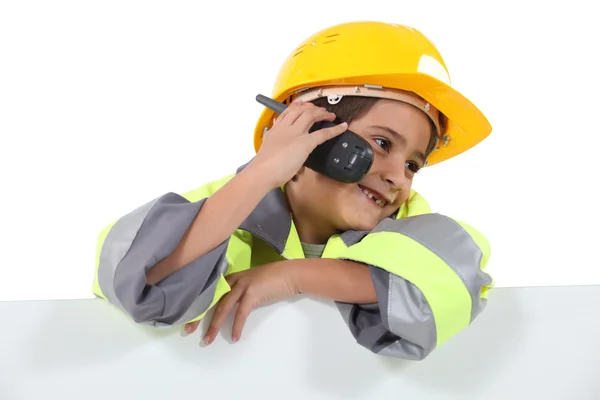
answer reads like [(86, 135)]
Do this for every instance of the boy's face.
[(399, 134)]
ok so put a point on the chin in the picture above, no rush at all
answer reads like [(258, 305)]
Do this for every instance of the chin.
[(366, 224), (360, 219)]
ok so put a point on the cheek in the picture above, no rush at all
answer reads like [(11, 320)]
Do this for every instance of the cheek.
[(377, 161), (402, 198), (324, 192), (339, 198)]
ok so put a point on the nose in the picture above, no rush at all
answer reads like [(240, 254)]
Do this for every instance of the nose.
[(394, 174)]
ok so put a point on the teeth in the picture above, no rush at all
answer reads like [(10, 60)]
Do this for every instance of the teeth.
[(377, 200)]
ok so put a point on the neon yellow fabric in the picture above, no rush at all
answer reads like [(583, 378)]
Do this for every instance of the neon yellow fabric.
[(443, 289), (238, 251), (99, 242), (293, 246), (335, 246), (263, 253), (415, 205)]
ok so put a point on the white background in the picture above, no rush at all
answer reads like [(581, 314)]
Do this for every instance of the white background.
[(105, 105)]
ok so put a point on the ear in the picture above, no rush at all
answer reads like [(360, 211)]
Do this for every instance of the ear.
[(299, 173)]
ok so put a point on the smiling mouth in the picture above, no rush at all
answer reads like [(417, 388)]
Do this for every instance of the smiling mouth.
[(373, 197)]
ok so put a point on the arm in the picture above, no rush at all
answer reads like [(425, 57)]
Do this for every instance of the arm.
[(221, 214), (160, 262), (148, 264), (427, 273), (339, 280)]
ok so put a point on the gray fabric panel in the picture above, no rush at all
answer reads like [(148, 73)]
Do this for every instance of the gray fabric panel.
[(345, 309), (405, 312), (189, 291), (271, 220), (405, 351), (116, 245), (406, 329), (205, 299), (408, 311), (161, 231), (352, 237), (410, 317), (365, 324), (449, 241), (243, 166)]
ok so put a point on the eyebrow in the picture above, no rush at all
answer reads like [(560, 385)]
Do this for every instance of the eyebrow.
[(400, 138)]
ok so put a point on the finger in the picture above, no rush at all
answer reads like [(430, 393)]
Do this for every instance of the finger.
[(309, 118), (323, 135), (232, 279), (245, 308), (222, 310), (298, 111), (293, 107), (191, 327)]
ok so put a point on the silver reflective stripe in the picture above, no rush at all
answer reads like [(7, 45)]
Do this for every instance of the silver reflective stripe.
[(116, 244), (409, 315), (448, 240), (205, 299), (400, 325), (404, 350), (137, 242), (345, 309), (352, 237), (404, 325)]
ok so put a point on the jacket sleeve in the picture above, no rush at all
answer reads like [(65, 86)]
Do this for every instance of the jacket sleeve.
[(127, 248), (428, 274)]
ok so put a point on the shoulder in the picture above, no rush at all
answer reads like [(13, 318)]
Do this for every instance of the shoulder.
[(415, 205), (415, 219)]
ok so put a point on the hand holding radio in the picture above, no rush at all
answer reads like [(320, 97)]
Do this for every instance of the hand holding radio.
[(317, 139), (287, 145)]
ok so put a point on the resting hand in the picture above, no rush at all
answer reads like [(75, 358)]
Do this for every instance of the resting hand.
[(252, 288)]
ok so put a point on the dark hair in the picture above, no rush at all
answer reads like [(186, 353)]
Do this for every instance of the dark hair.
[(355, 107)]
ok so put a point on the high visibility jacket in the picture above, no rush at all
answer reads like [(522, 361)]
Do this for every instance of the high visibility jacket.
[(427, 268)]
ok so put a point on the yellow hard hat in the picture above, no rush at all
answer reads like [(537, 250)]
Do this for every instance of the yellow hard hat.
[(366, 56)]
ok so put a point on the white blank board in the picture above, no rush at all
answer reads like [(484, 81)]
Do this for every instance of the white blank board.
[(531, 343), (105, 105)]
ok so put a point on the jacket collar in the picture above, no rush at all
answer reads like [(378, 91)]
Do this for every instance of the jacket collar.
[(272, 222)]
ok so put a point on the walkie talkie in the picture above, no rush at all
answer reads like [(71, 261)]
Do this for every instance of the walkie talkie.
[(345, 158)]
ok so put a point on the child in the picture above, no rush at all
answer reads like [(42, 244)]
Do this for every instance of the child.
[(404, 279)]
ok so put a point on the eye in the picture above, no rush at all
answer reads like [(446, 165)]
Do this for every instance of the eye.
[(412, 166), (383, 143)]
